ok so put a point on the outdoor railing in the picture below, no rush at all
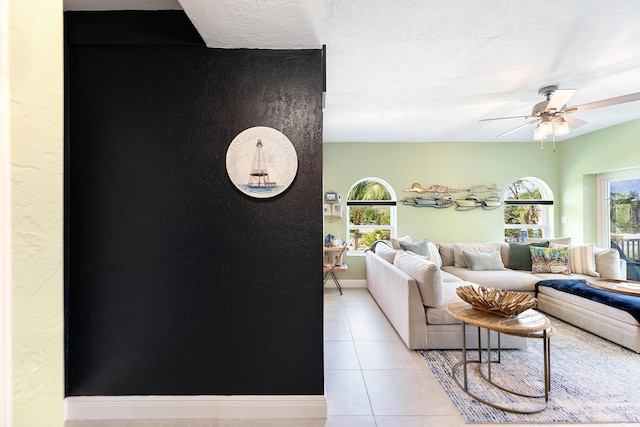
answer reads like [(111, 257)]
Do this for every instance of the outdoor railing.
[(630, 246)]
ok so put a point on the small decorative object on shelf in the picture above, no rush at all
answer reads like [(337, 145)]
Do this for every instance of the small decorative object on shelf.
[(473, 201), (332, 209), (439, 196), (330, 197), (435, 188), (496, 301)]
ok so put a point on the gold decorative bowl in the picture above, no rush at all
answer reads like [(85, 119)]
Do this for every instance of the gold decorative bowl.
[(496, 301)]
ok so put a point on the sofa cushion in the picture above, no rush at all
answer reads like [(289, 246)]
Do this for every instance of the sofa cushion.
[(550, 260), (439, 315), (477, 261), (557, 240), (459, 248), (608, 263), (520, 254), (448, 277), (508, 280), (504, 253), (434, 253), (426, 274), (582, 260), (395, 241), (559, 276), (419, 247), (386, 252), (446, 253)]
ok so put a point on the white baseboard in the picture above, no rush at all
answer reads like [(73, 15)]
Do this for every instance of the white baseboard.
[(353, 283), (202, 407)]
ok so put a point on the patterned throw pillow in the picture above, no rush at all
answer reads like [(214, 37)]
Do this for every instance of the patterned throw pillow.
[(550, 260)]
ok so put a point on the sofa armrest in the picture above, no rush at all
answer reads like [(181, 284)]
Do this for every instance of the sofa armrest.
[(398, 296)]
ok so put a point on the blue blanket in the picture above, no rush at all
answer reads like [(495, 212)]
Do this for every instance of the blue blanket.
[(628, 303)]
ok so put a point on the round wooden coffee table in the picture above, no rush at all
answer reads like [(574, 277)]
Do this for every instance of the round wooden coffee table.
[(528, 324)]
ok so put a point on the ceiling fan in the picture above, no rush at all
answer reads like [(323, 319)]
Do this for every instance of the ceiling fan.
[(551, 116)]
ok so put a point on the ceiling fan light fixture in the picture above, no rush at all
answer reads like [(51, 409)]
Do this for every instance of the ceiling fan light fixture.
[(543, 129), (562, 127), (538, 133), (549, 114)]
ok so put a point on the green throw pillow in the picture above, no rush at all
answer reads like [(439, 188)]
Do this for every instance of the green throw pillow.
[(520, 254), (419, 248), (483, 260)]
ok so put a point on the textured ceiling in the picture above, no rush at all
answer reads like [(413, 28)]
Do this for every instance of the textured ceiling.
[(428, 70)]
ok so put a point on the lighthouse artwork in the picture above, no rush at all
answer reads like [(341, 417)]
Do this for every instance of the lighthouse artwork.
[(261, 162), (259, 177)]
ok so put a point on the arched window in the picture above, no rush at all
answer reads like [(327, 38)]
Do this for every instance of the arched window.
[(371, 213), (527, 209)]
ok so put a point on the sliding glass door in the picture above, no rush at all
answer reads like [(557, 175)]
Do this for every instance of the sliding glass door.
[(619, 216)]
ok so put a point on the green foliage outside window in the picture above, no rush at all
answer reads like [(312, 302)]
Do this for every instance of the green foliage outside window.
[(522, 189), (368, 215), (625, 213)]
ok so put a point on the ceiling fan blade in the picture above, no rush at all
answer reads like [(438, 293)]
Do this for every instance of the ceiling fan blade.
[(503, 118), (516, 128), (559, 99), (604, 102), (574, 122)]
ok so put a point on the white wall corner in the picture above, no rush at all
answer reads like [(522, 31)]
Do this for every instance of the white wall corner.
[(194, 407)]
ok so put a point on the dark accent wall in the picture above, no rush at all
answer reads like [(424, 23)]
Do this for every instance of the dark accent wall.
[(176, 283)]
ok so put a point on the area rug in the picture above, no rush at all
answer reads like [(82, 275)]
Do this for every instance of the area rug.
[(592, 381)]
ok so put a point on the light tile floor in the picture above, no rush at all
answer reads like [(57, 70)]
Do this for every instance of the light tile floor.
[(371, 378)]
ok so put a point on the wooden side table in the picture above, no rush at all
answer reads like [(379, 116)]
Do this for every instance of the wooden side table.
[(333, 263), (528, 324)]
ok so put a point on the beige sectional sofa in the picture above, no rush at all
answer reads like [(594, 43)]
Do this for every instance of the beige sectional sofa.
[(413, 284)]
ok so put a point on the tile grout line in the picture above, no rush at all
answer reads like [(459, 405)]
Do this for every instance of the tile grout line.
[(375, 421)]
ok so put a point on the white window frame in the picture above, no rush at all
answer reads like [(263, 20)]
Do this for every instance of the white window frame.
[(603, 204), (393, 212), (545, 206)]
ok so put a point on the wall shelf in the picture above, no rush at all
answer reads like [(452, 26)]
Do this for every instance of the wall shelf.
[(332, 209)]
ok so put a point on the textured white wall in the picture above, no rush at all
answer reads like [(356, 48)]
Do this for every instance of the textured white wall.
[(5, 224), (36, 133)]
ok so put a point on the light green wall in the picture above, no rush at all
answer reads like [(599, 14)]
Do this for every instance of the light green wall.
[(612, 149), (568, 171), (36, 134)]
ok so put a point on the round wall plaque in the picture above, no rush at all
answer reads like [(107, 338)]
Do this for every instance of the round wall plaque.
[(261, 162)]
